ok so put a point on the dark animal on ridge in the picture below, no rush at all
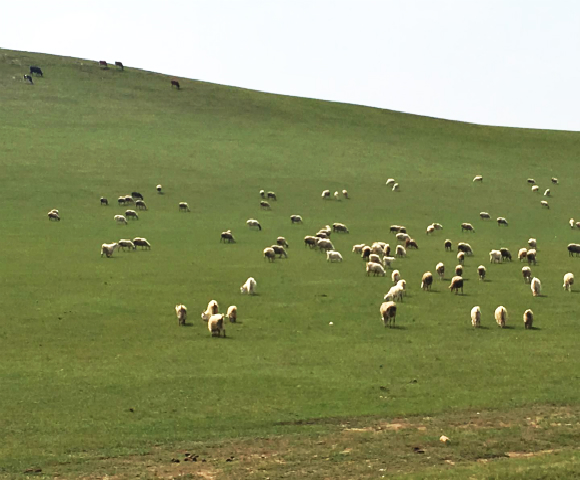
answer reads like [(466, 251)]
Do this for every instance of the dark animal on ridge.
[(120, 64), (36, 70), (175, 83)]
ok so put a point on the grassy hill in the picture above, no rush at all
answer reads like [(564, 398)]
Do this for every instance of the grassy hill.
[(93, 363)]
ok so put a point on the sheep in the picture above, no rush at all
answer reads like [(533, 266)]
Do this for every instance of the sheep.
[(388, 313), (536, 287), (437, 226), (476, 317), (528, 319), (395, 228), (215, 325), (271, 196), (535, 188), (395, 276), (440, 269), (104, 202), (568, 281), (131, 214), (249, 287), (478, 178), (387, 261), (531, 256), (336, 196), (554, 180), (532, 242), (411, 243), (212, 309), (282, 242), (500, 315), (378, 249), (339, 228), (467, 227), (184, 207), (543, 203), (254, 223), (547, 193), (326, 230), (375, 269), (232, 313), (141, 242), (333, 256), (394, 293), (577, 224), (181, 312), (573, 248), (325, 194), (461, 258), (120, 219), (295, 219), (402, 237), (465, 248), (495, 256), (345, 195), (279, 250), (426, 281), (374, 258), (262, 194), (458, 270), (396, 187), (358, 248), (121, 200), (481, 272), (484, 215), (505, 254), (227, 237), (126, 243), (136, 195), (390, 181), (108, 249), (501, 221), (448, 245), (402, 284), (159, 188), (531, 180), (366, 253), (140, 205), (265, 205), (456, 284), (527, 274), (572, 223), (129, 199), (53, 215), (400, 251), (324, 244), (269, 254), (430, 229), (522, 254), (310, 241)]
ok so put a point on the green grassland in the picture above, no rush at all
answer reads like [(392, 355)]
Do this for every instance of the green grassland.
[(84, 339)]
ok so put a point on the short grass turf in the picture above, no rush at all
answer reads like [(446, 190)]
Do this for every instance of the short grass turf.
[(93, 362)]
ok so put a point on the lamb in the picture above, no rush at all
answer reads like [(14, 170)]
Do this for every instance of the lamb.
[(126, 243), (535, 188), (254, 223), (336, 196), (325, 194), (227, 237), (543, 203), (374, 258), (141, 242), (400, 251), (215, 325), (461, 258), (388, 260), (568, 281), (388, 313), (333, 256), (282, 242), (310, 241), (108, 249), (527, 274), (269, 254), (53, 215), (476, 317), (500, 316), (184, 207), (375, 269), (528, 319), (478, 178), (271, 196), (339, 227), (430, 229), (212, 309), (232, 313), (131, 214), (440, 269), (456, 284), (104, 202), (295, 219), (390, 181), (249, 287), (467, 227), (448, 245), (140, 205), (279, 250), (495, 256), (573, 248), (265, 205), (501, 221), (181, 312), (505, 254), (396, 187), (465, 248), (481, 272), (458, 270), (395, 276), (547, 193), (120, 219), (358, 248), (427, 281), (484, 215), (159, 188), (531, 256), (532, 242), (345, 195), (522, 254), (536, 287)]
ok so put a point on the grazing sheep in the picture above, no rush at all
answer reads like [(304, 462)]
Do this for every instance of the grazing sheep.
[(481, 272), (104, 201), (522, 254), (536, 287), (395, 276), (126, 243), (440, 269), (108, 249), (437, 226), (458, 270), (358, 248), (568, 281), (475, 317), (141, 242), (227, 237), (249, 287), (184, 207), (543, 203), (232, 313), (535, 188), (426, 281), (396, 187), (500, 315), (120, 219), (505, 254), (295, 219), (448, 245), (400, 251), (528, 319), (53, 215), (411, 243), (467, 227), (456, 284), (484, 215), (374, 258), (465, 248), (159, 188), (212, 309), (282, 242), (532, 242), (129, 199), (271, 196), (269, 254), (131, 214), (336, 195), (554, 180), (572, 223), (527, 274), (339, 228), (478, 178), (402, 284), (387, 261), (140, 205), (501, 221), (254, 223), (136, 195), (388, 313), (181, 312), (390, 181), (531, 180), (495, 256), (121, 200), (215, 325), (430, 229), (573, 248), (265, 205), (325, 195), (333, 256), (531, 256), (395, 228), (366, 253), (547, 193), (310, 241), (262, 194), (279, 250), (394, 293), (375, 269), (461, 258), (345, 195), (324, 244)]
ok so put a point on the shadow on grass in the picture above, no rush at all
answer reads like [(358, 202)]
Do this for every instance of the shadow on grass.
[(508, 327), (187, 324), (534, 328)]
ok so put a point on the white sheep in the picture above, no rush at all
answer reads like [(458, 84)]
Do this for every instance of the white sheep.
[(484, 215), (108, 249), (461, 258), (531, 255), (430, 229), (527, 274), (402, 237), (501, 221), (336, 195), (396, 187), (481, 272), (215, 325), (400, 251), (522, 254), (390, 181), (140, 205), (500, 315), (437, 226), (388, 313), (478, 178), (295, 219), (345, 194), (120, 219), (181, 312), (495, 256), (358, 248), (54, 215), (387, 261), (254, 223), (324, 244), (440, 269), (249, 287), (375, 269), (547, 193), (543, 203), (159, 188), (536, 287), (282, 242), (456, 284), (232, 313), (572, 223), (532, 242), (374, 258), (141, 242), (402, 284), (427, 281), (212, 309), (269, 254), (476, 317), (126, 243), (131, 214), (395, 276), (528, 319), (568, 281), (535, 188), (394, 293), (184, 207), (325, 194), (333, 256)]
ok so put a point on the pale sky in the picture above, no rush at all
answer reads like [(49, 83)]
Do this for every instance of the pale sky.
[(492, 62)]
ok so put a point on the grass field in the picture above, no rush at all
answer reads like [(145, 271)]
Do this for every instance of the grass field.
[(86, 339)]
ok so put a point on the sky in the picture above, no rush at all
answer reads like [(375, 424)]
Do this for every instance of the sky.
[(492, 62)]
